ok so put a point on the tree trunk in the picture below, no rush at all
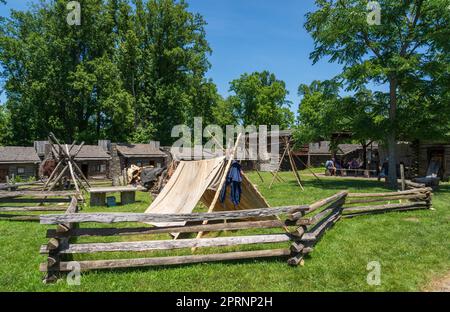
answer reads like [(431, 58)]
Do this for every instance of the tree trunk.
[(392, 134), (133, 90), (364, 146)]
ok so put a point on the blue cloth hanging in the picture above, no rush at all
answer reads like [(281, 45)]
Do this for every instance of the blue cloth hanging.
[(234, 178)]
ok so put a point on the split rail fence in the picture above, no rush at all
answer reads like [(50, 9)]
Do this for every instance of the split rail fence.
[(23, 205), (301, 227)]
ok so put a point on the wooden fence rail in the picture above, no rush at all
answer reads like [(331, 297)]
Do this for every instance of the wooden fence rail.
[(163, 218), (17, 205), (301, 226)]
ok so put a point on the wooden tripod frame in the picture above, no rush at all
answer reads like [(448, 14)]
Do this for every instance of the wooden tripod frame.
[(65, 162), (287, 151)]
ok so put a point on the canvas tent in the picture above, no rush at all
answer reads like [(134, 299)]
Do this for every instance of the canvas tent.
[(198, 181)]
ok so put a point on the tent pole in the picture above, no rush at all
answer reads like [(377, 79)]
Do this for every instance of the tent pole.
[(278, 168), (221, 184), (309, 169), (293, 166)]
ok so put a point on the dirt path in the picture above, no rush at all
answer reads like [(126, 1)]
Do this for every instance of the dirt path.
[(440, 284)]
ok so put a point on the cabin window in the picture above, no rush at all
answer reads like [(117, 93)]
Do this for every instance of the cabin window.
[(20, 170), (102, 168)]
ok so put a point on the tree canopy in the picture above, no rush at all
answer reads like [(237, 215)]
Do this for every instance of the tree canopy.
[(129, 71), (260, 99), (408, 52)]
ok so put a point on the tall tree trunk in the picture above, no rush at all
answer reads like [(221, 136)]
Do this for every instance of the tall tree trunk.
[(392, 134), (364, 146), (133, 90)]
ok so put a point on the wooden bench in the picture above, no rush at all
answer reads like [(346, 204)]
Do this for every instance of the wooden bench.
[(365, 172), (98, 195)]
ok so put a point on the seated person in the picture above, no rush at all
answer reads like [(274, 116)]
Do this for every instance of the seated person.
[(338, 167), (330, 167)]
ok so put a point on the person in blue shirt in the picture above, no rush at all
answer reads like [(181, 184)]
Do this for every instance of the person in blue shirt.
[(234, 179), (329, 165)]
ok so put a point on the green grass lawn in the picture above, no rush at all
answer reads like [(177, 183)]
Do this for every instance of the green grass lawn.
[(412, 248)]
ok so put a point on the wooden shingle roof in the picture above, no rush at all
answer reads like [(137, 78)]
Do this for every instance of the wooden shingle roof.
[(139, 150), (90, 152), (18, 154)]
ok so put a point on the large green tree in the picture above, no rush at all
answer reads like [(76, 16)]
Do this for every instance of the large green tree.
[(168, 71), (131, 71), (408, 48), (4, 126), (323, 114), (63, 78), (260, 99)]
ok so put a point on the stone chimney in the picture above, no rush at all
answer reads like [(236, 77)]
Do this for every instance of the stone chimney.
[(115, 171), (155, 144), (105, 145)]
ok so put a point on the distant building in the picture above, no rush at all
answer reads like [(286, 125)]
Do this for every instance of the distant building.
[(437, 152), (18, 161), (93, 161), (141, 155)]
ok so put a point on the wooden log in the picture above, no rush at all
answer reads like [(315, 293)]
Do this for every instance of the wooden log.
[(372, 212), (420, 196), (313, 220), (414, 184), (296, 260), (169, 244), (148, 262), (297, 247), (319, 204), (53, 244), (321, 228), (384, 207), (328, 200), (34, 208), (408, 192), (294, 167), (275, 175), (36, 194), (299, 231), (58, 178), (18, 217), (8, 186), (164, 218), (34, 200), (73, 206), (52, 174), (229, 226)]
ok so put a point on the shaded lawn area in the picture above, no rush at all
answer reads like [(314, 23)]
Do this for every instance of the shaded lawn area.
[(412, 248)]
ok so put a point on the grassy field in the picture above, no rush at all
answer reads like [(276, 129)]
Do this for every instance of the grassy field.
[(412, 248)]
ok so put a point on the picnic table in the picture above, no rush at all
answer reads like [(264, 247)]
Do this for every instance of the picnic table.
[(98, 194), (345, 172)]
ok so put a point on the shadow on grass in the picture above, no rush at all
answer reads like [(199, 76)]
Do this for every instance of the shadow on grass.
[(162, 268), (340, 184)]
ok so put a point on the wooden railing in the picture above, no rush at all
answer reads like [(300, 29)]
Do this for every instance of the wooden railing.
[(20, 205), (299, 226)]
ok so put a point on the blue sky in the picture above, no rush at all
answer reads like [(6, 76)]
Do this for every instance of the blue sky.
[(253, 35)]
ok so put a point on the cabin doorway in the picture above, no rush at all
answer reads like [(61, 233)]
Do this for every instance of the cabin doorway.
[(85, 169), (3, 175), (436, 161)]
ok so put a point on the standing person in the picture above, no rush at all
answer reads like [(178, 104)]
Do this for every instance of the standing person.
[(234, 179), (384, 170)]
